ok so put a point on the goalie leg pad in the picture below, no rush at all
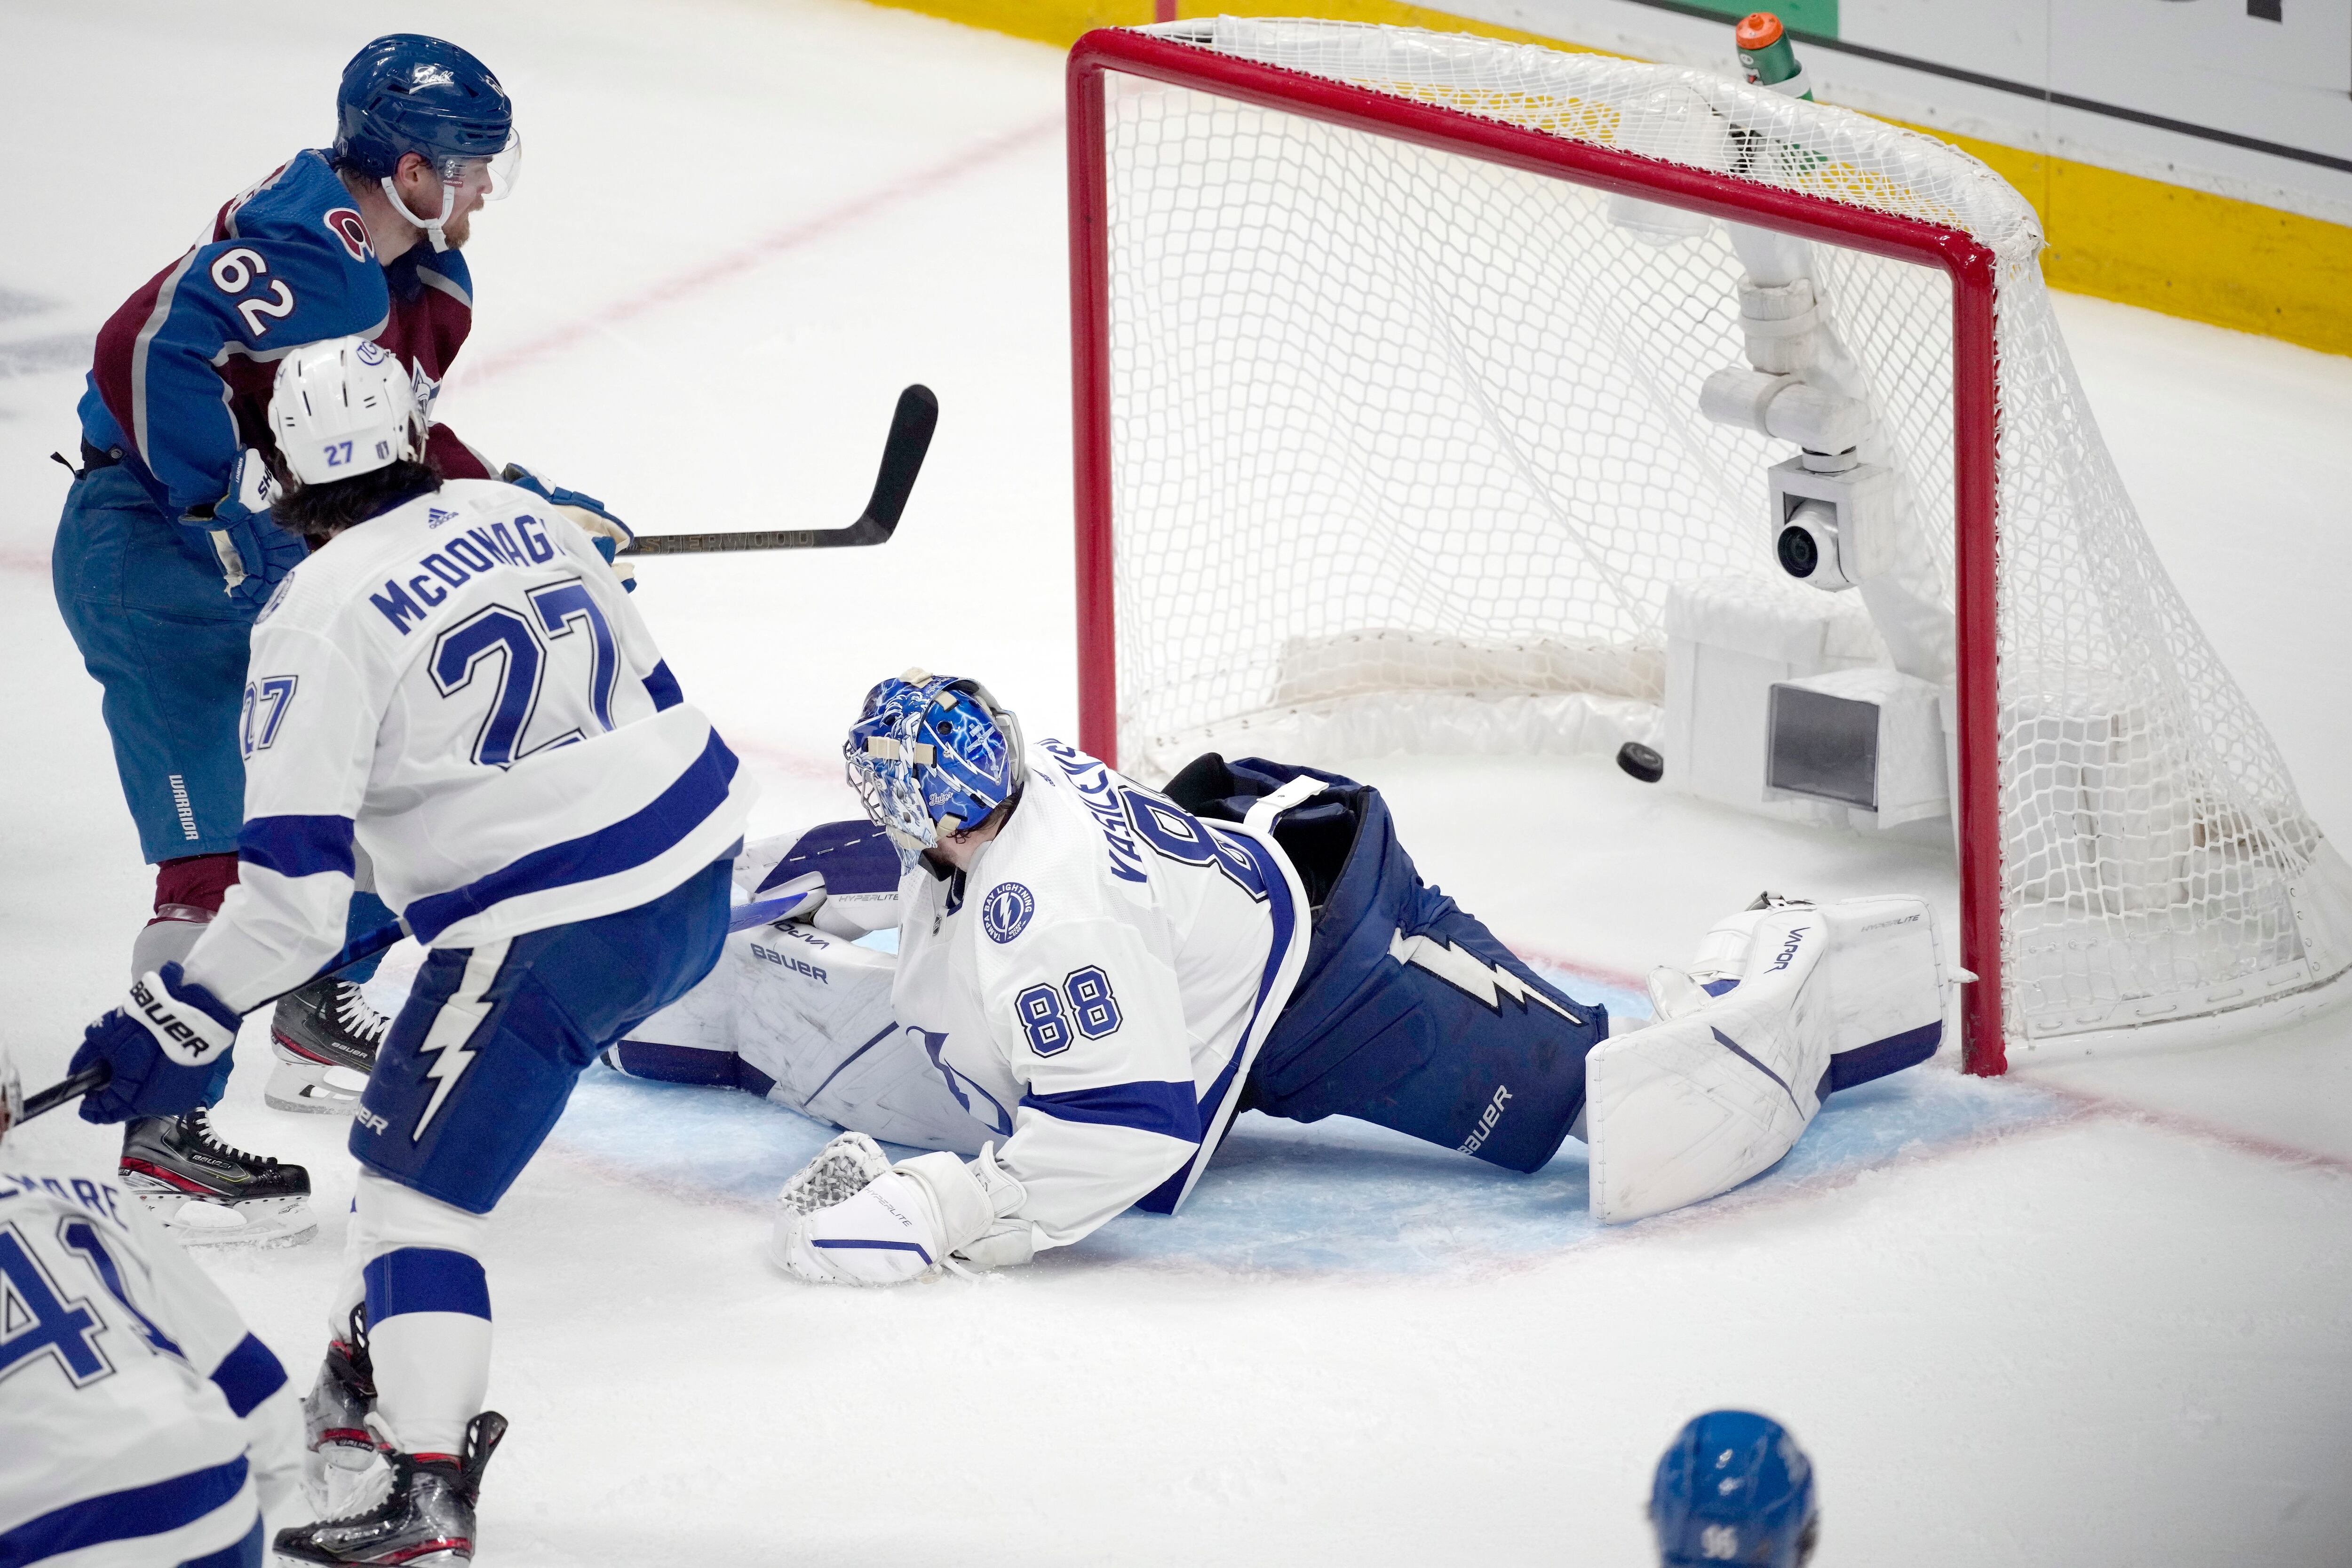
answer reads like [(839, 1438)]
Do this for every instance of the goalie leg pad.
[(1693, 1107)]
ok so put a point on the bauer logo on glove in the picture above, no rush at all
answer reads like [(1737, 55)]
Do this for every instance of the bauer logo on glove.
[(177, 1037), (164, 1048)]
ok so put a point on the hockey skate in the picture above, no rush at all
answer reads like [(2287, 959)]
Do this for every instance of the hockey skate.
[(325, 1037), (425, 1518), (340, 1449), (205, 1192)]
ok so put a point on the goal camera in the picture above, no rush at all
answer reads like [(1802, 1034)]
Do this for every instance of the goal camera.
[(1807, 547), (1831, 526)]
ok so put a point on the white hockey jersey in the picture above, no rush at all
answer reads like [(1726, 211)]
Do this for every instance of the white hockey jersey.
[(1095, 988), (463, 688), (140, 1423)]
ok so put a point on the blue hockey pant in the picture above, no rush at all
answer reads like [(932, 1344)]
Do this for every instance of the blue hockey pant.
[(479, 1063), (1409, 1012), (159, 632)]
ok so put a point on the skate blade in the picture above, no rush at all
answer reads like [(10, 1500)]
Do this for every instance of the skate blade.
[(309, 1088), (257, 1222)]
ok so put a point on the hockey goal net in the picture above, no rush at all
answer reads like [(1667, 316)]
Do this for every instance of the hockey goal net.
[(1389, 348)]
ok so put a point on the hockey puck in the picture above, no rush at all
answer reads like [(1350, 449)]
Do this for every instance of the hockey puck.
[(1641, 762)]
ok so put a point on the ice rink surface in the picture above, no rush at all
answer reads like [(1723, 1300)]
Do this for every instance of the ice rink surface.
[(2099, 1312)]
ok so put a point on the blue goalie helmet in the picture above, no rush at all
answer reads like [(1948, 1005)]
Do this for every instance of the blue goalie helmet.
[(407, 93), (933, 754), (1734, 1488)]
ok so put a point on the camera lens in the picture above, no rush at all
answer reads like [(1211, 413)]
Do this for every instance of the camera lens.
[(1799, 553)]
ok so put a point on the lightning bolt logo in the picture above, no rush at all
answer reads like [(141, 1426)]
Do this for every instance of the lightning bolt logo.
[(1466, 973), (453, 1027), (450, 1059)]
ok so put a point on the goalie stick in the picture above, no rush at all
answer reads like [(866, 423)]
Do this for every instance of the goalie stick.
[(902, 459), (66, 1090)]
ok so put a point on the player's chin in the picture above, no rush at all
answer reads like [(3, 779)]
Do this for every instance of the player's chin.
[(459, 230)]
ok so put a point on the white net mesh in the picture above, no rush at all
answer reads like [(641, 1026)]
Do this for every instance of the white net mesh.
[(1406, 451)]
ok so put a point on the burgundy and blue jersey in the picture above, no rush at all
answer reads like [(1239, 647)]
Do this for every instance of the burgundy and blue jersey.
[(184, 370)]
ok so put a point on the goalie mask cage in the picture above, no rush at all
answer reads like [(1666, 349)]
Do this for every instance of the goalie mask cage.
[(1385, 414)]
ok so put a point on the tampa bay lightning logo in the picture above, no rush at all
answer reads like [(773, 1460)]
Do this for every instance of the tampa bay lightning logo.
[(1006, 912)]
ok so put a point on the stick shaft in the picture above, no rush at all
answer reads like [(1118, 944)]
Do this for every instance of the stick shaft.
[(71, 1089)]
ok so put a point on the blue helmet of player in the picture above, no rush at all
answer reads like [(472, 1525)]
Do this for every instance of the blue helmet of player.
[(407, 93), (1734, 1488), (933, 754)]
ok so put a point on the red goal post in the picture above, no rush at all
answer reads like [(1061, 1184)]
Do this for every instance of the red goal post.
[(1969, 265)]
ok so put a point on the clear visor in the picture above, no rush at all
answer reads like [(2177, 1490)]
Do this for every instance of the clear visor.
[(492, 178)]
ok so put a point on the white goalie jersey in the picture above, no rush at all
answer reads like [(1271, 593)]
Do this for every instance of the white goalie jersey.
[(1095, 989), (1088, 999)]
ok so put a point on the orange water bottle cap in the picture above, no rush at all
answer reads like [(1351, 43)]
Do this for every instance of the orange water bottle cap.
[(1757, 30)]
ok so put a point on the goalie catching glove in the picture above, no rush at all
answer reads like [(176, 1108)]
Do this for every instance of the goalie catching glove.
[(851, 1217)]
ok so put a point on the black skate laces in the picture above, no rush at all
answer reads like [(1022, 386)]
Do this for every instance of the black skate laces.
[(352, 1010), (199, 1123)]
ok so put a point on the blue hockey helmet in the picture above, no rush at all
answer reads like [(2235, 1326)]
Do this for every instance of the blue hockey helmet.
[(1734, 1488), (407, 93), (931, 755)]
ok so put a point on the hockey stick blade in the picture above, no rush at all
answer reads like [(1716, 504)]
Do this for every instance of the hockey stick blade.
[(902, 459)]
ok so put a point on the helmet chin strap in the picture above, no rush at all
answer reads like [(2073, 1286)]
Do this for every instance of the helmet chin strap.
[(432, 227)]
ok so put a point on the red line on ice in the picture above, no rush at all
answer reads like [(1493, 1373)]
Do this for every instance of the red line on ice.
[(2198, 1127), (735, 264), (1601, 974)]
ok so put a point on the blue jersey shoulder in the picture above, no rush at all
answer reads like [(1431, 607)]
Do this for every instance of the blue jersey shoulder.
[(295, 264), (304, 204)]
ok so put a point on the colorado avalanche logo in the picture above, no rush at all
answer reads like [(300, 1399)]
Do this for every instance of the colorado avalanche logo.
[(370, 353), (1005, 913), (345, 225)]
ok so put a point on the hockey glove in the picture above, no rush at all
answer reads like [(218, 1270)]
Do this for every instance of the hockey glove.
[(608, 533), (164, 1044), (896, 1225), (253, 553), (848, 873), (884, 1234), (842, 1169)]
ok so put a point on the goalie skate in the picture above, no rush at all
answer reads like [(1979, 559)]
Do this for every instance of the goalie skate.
[(842, 1169), (207, 1193)]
